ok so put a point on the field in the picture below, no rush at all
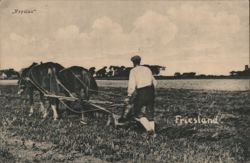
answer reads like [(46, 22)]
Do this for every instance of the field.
[(33, 139)]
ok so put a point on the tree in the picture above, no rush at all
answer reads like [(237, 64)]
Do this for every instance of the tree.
[(188, 74), (155, 69), (102, 72), (177, 74), (92, 70)]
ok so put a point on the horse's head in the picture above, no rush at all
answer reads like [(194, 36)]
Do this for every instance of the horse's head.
[(93, 85), (22, 85), (23, 82), (89, 84)]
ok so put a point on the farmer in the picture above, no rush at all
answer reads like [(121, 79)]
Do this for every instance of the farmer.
[(141, 94)]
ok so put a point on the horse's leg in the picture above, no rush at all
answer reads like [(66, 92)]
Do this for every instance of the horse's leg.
[(31, 101), (86, 91), (24, 101), (54, 106), (84, 96), (82, 93), (43, 110)]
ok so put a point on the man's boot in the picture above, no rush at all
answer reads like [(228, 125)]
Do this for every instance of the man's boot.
[(144, 121)]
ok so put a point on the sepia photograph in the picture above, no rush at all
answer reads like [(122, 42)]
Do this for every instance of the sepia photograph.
[(92, 81)]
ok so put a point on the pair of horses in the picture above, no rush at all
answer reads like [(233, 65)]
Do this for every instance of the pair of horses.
[(53, 79)]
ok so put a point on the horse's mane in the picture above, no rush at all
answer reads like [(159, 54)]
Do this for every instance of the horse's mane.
[(43, 67), (51, 64)]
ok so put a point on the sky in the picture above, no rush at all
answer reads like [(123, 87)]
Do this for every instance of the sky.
[(206, 37)]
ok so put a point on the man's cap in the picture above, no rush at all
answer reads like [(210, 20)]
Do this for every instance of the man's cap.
[(136, 58)]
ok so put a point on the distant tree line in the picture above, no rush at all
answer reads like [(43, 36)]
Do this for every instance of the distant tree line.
[(122, 71), (185, 74), (245, 72), (234, 74)]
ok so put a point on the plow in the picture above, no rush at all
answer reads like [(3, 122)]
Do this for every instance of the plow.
[(94, 104), (112, 118), (67, 86)]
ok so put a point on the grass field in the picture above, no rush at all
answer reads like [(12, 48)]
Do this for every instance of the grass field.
[(33, 139)]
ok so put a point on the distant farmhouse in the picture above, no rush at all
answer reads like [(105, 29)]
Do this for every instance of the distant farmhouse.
[(245, 72), (8, 74)]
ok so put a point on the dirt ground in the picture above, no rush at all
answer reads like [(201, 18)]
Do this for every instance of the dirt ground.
[(34, 139)]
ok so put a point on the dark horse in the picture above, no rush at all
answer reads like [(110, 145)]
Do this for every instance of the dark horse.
[(79, 81), (52, 79), (25, 87), (42, 78)]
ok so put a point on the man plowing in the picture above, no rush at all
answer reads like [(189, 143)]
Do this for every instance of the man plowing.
[(141, 95)]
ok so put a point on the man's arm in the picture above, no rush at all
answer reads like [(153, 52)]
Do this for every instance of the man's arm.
[(131, 83), (154, 81)]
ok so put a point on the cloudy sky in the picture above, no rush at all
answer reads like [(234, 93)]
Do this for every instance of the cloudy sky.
[(207, 37)]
